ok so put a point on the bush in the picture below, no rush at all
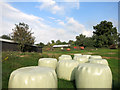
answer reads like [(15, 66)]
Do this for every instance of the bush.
[(113, 46)]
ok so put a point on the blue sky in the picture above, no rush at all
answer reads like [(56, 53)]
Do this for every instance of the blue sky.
[(59, 20)]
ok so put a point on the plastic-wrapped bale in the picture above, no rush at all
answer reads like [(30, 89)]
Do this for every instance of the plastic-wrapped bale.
[(99, 61), (66, 69), (33, 77), (87, 56), (48, 62), (77, 55), (81, 59), (65, 57), (89, 75), (95, 57)]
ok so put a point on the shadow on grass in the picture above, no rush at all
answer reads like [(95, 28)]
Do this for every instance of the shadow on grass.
[(66, 84), (115, 86)]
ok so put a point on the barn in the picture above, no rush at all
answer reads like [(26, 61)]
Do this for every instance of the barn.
[(61, 46), (10, 45)]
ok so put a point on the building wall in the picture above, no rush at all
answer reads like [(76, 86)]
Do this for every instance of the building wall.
[(39, 49), (7, 46)]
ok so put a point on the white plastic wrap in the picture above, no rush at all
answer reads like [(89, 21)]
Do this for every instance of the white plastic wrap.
[(89, 75), (81, 59), (33, 77), (48, 62), (99, 61), (95, 57), (66, 69), (77, 54), (86, 56), (65, 57)]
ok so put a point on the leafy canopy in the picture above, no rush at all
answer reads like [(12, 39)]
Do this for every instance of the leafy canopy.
[(22, 35), (6, 37), (105, 34), (82, 40)]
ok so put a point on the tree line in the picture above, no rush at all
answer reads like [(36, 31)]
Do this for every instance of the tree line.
[(104, 35)]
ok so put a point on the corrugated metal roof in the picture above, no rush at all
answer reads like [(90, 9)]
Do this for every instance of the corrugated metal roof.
[(67, 45), (5, 40), (11, 41)]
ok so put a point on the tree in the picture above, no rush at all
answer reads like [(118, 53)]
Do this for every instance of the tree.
[(6, 37), (58, 42), (71, 42), (105, 34), (64, 42), (23, 36), (80, 40), (53, 42), (48, 44), (41, 44), (88, 42)]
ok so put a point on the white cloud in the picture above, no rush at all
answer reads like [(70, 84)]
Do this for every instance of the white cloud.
[(75, 27), (58, 20), (61, 23), (51, 5), (61, 0), (72, 3), (12, 16), (51, 17), (56, 8), (42, 31)]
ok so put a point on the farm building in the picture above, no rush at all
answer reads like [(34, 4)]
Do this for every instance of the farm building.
[(10, 45)]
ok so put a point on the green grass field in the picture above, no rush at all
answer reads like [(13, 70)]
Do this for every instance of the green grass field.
[(14, 60)]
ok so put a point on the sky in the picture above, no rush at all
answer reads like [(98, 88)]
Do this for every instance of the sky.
[(57, 20)]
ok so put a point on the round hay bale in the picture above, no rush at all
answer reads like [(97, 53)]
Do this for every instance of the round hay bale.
[(77, 55), (81, 59), (48, 62), (89, 75), (86, 56), (65, 57), (99, 61), (66, 69), (33, 77), (95, 57)]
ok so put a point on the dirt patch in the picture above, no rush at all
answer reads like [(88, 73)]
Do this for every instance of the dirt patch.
[(23, 55), (110, 53), (106, 57), (110, 57), (71, 54), (90, 53)]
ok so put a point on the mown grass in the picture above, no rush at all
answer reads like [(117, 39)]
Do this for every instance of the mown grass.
[(16, 60)]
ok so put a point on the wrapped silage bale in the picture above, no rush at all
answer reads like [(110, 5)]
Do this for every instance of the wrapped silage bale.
[(77, 55), (87, 56), (48, 62), (65, 57), (81, 59), (99, 61), (66, 69), (95, 57), (89, 75), (33, 77)]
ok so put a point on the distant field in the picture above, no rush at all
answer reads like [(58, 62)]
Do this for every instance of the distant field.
[(15, 60)]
